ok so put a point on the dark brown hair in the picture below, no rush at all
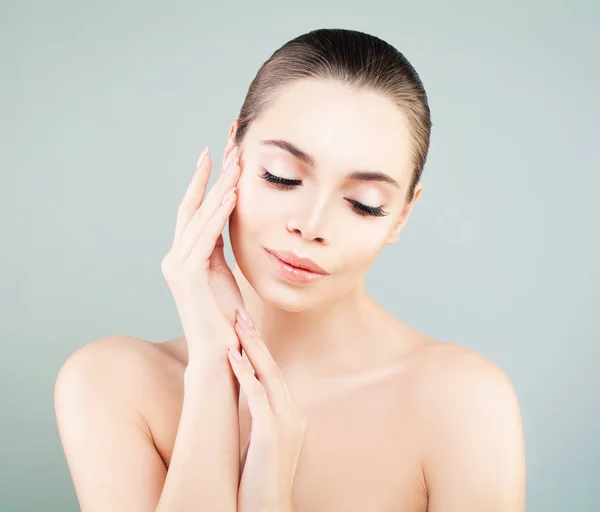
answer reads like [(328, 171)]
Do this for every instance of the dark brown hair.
[(354, 58)]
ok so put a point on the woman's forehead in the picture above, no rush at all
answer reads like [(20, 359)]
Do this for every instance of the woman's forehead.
[(338, 125)]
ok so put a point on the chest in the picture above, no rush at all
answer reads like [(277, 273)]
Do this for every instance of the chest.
[(361, 452)]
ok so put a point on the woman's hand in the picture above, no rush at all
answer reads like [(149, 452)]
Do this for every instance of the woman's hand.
[(279, 428), (205, 291)]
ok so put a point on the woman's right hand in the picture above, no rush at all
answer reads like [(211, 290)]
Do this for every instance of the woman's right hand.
[(205, 291)]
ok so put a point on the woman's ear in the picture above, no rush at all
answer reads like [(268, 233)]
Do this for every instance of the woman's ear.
[(403, 218), (233, 131)]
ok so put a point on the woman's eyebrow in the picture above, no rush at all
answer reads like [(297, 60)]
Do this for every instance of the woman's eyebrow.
[(310, 161)]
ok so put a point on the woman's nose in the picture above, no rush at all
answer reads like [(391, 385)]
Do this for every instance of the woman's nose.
[(312, 224)]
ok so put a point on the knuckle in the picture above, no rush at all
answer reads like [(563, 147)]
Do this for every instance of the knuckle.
[(255, 389), (184, 207), (189, 206), (259, 392), (169, 262), (166, 264), (272, 377)]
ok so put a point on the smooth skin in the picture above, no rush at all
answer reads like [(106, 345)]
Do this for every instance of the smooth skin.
[(396, 420)]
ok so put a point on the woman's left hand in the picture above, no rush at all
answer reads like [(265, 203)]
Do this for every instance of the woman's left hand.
[(278, 426)]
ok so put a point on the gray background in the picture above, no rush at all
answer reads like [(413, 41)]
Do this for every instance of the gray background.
[(105, 107)]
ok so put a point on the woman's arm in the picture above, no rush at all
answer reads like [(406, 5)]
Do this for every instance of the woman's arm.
[(474, 445), (109, 448), (204, 469)]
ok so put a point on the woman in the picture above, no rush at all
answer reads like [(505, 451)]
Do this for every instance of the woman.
[(336, 405)]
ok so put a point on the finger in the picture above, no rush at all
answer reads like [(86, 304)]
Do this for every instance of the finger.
[(258, 403), (244, 455), (192, 198), (267, 370), (228, 149), (207, 240), (210, 206), (218, 262), (196, 189)]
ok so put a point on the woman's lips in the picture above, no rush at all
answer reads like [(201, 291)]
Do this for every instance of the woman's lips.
[(295, 274), (296, 261)]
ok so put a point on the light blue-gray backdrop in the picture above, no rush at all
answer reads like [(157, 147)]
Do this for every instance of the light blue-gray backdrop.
[(105, 107)]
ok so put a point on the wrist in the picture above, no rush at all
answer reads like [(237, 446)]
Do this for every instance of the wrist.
[(208, 360), (203, 350)]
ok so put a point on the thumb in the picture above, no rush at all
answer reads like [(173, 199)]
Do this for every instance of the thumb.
[(217, 258)]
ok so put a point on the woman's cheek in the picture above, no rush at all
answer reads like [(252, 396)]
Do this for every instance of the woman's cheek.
[(362, 245), (251, 211)]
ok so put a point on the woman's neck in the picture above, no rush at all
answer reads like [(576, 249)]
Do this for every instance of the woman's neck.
[(318, 337)]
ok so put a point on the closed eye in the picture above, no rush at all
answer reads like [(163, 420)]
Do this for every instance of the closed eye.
[(284, 184)]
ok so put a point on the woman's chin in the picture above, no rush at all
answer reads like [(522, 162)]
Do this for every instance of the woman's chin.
[(274, 289), (279, 296)]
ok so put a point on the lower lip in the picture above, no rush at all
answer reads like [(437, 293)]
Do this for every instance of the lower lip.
[(295, 274)]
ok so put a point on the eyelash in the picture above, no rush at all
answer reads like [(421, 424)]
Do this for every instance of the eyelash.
[(361, 209)]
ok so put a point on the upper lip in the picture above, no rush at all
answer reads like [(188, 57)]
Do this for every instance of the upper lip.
[(297, 261)]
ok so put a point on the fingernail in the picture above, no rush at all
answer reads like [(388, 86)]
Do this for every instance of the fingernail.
[(244, 320), (235, 353), (202, 156), (228, 194)]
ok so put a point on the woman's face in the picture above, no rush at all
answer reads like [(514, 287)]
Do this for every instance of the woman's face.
[(319, 216)]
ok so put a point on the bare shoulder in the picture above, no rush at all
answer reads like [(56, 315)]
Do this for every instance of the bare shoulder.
[(442, 367), (113, 356), (448, 371), (444, 378), (471, 432), (102, 395), (452, 358), (116, 368)]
